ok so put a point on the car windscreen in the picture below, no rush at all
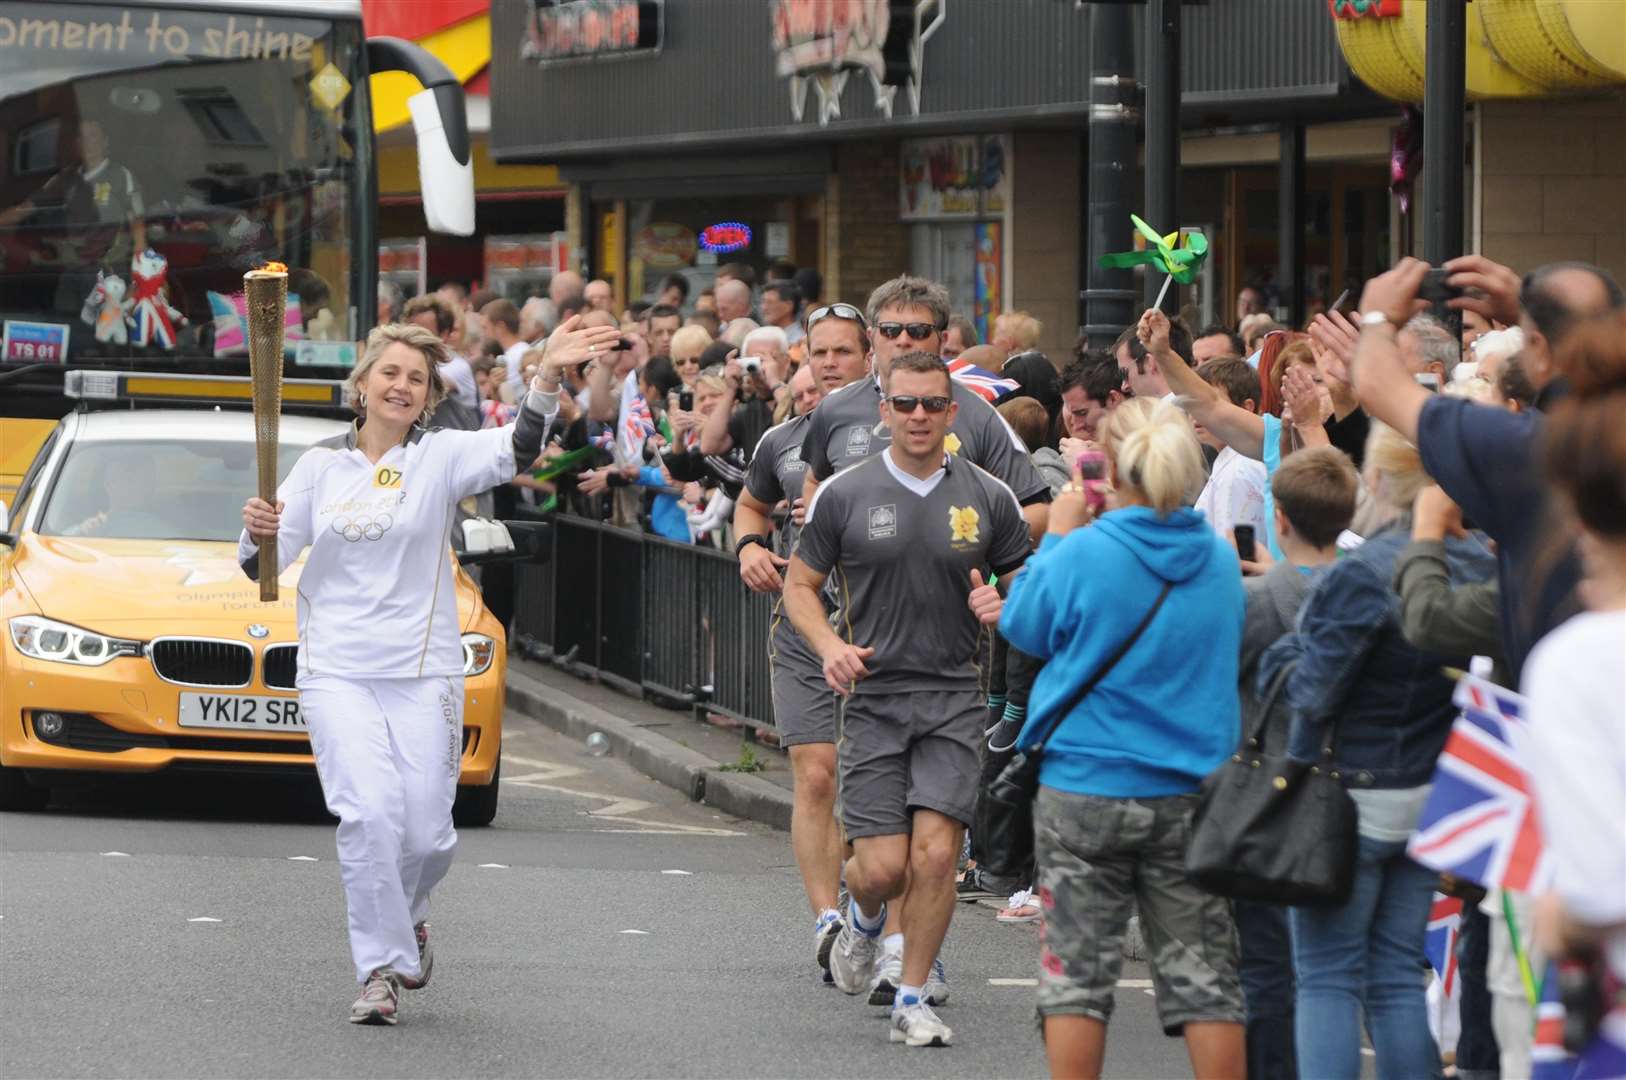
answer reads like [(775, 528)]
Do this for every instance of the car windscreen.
[(173, 489)]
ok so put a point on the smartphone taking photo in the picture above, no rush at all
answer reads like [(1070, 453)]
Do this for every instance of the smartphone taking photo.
[(1245, 543)]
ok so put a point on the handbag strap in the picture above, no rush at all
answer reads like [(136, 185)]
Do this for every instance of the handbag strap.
[(1105, 669)]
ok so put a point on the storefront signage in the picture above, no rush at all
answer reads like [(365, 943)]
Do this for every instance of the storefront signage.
[(954, 176), (664, 245), (725, 237), (593, 29), (822, 42), (1355, 9)]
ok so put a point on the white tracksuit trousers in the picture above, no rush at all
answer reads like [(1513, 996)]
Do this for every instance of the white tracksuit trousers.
[(387, 752)]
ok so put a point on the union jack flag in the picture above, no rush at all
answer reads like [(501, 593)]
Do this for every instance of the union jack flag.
[(1440, 943), (1480, 820), (638, 426), (981, 381)]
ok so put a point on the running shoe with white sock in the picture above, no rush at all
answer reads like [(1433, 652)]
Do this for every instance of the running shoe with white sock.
[(380, 999), (888, 976), (426, 960), (825, 933), (936, 989), (852, 958), (914, 1023)]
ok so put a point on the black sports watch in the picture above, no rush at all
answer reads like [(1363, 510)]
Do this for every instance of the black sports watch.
[(747, 540)]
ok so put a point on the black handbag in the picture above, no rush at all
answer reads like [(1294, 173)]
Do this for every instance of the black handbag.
[(1272, 829), (1012, 792)]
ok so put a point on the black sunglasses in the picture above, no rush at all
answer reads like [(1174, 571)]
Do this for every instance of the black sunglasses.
[(917, 331), (839, 311), (905, 404)]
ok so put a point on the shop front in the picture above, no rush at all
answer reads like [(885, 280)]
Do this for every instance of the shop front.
[(868, 137)]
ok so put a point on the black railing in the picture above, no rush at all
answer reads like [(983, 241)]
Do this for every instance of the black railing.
[(648, 616)]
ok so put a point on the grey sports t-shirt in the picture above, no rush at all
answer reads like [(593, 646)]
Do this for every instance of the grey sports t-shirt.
[(901, 562), (846, 428), (776, 473)]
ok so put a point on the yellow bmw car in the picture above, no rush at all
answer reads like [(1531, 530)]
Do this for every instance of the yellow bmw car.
[(132, 640)]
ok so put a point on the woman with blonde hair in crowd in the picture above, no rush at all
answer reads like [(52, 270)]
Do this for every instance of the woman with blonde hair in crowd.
[(1112, 603), (1385, 706), (687, 345), (380, 655)]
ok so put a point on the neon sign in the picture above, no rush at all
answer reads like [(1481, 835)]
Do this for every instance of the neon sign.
[(725, 236)]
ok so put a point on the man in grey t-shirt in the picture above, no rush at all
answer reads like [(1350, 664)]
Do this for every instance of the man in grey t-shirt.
[(907, 537), (804, 706)]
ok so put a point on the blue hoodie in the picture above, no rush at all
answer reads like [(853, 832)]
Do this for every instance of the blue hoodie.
[(1167, 714)]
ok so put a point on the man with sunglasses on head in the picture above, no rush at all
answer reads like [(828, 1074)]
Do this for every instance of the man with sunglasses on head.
[(909, 314), (803, 705), (909, 535)]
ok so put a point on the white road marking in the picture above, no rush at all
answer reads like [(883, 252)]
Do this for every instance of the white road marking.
[(493, 866), (203, 918), (543, 772), (640, 933), (1135, 984), (1013, 982), (302, 858), (678, 873), (1368, 1051), (116, 854)]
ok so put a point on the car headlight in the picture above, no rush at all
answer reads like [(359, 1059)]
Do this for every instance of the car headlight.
[(478, 651), (46, 639)]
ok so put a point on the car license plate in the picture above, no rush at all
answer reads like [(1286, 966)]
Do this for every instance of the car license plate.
[(240, 712)]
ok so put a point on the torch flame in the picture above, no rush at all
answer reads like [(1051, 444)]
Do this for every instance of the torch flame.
[(271, 268)]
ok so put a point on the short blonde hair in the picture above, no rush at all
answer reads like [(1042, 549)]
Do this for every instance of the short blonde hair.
[(1021, 326), (689, 342), (712, 383), (1156, 452), (1394, 468), (428, 344)]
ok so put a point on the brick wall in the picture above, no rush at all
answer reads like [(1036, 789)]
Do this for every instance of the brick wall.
[(1553, 182), (865, 244), (1044, 245)]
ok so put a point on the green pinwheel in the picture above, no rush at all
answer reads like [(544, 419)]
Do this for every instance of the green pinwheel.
[(1179, 255)]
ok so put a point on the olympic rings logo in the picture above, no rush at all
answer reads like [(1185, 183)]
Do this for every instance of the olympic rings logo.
[(356, 529)]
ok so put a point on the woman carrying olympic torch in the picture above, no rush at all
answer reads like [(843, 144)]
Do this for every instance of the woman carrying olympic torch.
[(380, 654)]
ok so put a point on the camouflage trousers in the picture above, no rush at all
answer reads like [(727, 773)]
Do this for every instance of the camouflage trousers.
[(1098, 860)]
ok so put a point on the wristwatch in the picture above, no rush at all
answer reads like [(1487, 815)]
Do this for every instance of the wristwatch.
[(747, 540), (1375, 318)]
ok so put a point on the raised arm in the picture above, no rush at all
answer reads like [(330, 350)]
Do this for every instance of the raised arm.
[(1238, 428), (1385, 386)]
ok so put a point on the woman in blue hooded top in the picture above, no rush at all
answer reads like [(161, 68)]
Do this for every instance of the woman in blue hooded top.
[(1121, 773)]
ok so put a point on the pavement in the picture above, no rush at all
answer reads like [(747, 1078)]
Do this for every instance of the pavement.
[(607, 924)]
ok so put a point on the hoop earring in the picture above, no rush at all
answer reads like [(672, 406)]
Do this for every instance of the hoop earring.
[(361, 402)]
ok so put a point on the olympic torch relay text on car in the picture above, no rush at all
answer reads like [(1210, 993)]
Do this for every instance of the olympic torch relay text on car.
[(132, 640)]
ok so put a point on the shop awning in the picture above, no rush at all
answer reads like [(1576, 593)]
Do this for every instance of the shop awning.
[(456, 31)]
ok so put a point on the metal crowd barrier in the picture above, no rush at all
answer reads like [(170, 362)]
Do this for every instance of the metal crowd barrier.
[(648, 616)]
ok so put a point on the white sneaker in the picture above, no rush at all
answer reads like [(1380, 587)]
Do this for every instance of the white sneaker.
[(852, 959), (936, 991), (917, 1025), (888, 977), (824, 937), (380, 999)]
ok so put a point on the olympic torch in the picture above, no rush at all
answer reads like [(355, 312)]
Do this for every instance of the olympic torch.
[(266, 291)]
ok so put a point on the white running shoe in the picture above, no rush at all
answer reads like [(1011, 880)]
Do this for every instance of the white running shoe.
[(824, 937), (380, 999), (917, 1025), (936, 991), (888, 977), (852, 959)]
